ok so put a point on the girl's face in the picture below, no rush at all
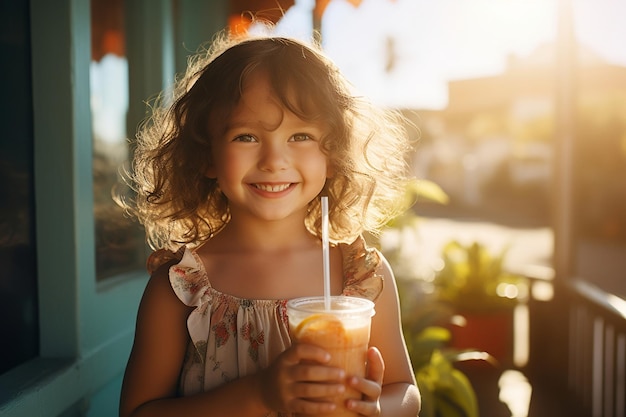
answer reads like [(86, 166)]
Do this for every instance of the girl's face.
[(268, 163)]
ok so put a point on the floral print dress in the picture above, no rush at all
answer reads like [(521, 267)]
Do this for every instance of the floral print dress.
[(232, 337)]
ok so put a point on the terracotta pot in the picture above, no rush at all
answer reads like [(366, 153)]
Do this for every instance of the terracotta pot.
[(489, 332)]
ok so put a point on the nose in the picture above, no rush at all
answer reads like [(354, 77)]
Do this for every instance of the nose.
[(274, 157)]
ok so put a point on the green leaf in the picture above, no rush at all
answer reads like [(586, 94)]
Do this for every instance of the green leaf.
[(427, 190), (435, 333), (425, 385), (452, 389)]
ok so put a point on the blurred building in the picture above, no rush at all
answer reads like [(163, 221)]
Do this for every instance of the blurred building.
[(493, 146)]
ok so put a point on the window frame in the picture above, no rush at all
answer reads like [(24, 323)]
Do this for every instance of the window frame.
[(86, 327)]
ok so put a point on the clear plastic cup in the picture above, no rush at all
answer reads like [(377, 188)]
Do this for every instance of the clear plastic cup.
[(343, 331)]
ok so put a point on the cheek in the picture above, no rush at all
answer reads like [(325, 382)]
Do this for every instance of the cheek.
[(325, 164), (230, 166), (319, 166)]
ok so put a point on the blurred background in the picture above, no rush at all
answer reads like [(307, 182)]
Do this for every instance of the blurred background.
[(510, 261)]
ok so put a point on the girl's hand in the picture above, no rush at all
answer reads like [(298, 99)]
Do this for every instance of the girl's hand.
[(370, 386), (298, 381)]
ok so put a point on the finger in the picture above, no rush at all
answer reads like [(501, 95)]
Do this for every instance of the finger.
[(370, 387), (307, 352), (317, 391), (375, 366), (371, 390), (312, 372), (301, 406), (365, 408)]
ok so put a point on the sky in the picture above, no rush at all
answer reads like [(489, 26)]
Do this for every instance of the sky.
[(435, 41)]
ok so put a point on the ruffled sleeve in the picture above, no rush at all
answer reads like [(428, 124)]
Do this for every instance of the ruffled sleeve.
[(191, 285), (187, 277), (162, 256), (189, 281), (361, 270)]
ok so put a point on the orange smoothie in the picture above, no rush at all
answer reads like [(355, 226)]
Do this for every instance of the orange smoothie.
[(343, 331)]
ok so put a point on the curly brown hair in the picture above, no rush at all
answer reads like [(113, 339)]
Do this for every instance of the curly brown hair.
[(366, 145)]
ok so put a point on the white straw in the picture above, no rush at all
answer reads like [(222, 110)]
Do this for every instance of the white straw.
[(325, 253)]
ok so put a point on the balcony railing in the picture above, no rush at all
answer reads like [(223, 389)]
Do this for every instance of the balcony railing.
[(597, 353)]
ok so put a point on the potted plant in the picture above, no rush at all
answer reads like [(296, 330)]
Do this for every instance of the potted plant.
[(445, 389), (475, 285)]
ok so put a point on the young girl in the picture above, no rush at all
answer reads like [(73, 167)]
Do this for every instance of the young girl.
[(228, 181)]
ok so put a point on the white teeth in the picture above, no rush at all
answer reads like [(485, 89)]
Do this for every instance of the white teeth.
[(272, 188)]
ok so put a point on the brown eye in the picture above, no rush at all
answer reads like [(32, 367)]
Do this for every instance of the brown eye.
[(301, 137), (245, 138)]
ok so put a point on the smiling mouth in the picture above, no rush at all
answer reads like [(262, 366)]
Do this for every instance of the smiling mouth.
[(272, 188)]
